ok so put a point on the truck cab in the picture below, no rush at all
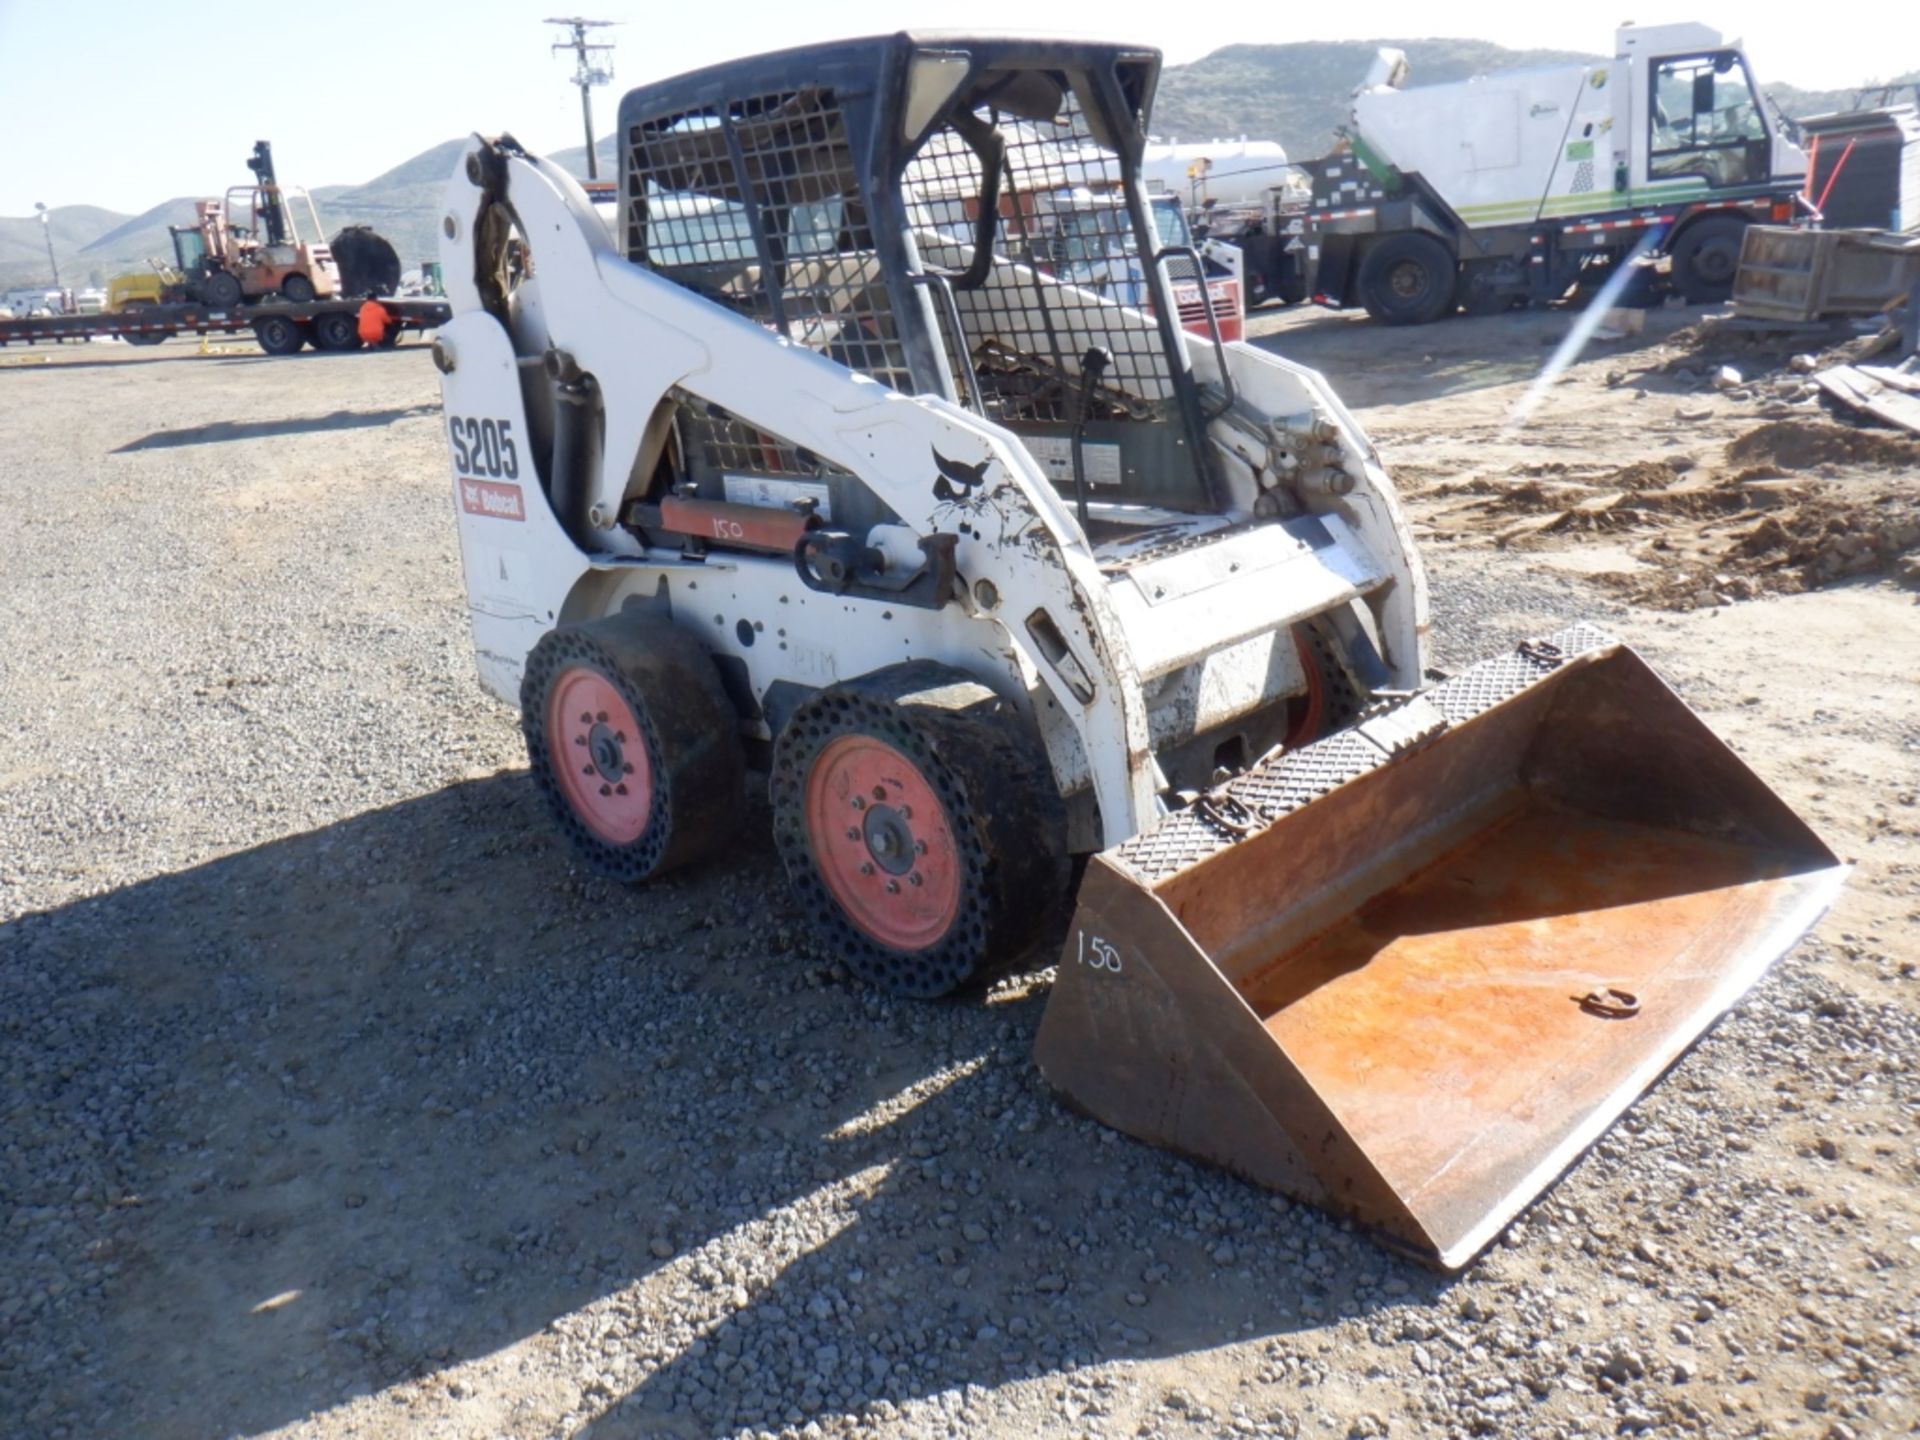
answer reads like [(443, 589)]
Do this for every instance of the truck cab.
[(1695, 112), (1675, 115)]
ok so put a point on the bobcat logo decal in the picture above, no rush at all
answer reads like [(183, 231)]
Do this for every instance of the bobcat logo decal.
[(957, 482), (993, 512)]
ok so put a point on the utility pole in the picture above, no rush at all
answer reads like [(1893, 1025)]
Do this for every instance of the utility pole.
[(46, 230), (589, 70)]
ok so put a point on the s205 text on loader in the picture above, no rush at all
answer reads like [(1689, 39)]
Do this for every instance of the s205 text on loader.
[(816, 470)]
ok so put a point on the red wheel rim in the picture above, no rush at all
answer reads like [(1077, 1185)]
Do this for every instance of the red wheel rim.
[(881, 841), (1305, 728), (599, 754)]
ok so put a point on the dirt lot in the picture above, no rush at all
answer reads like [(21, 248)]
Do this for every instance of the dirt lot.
[(334, 1103)]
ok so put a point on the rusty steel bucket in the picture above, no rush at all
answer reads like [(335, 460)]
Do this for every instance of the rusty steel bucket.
[(1410, 972)]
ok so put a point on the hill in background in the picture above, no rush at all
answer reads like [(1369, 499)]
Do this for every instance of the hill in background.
[(92, 244), (23, 246), (1295, 94)]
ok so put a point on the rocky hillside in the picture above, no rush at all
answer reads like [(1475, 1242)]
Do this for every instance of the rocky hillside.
[(1297, 93)]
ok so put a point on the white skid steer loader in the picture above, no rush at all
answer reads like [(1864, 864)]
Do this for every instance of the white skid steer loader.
[(827, 470)]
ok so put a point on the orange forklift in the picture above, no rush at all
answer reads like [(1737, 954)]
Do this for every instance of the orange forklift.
[(253, 245)]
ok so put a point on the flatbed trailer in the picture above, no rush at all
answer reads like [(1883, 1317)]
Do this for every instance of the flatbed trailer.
[(281, 327)]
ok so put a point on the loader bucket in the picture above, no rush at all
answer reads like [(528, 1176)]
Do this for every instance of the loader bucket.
[(1410, 972)]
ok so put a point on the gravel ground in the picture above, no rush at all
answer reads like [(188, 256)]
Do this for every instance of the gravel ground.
[(334, 1102)]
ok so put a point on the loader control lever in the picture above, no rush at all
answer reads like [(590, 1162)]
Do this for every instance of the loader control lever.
[(1093, 365)]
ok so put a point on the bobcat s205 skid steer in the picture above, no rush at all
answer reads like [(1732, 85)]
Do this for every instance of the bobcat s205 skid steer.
[(823, 467)]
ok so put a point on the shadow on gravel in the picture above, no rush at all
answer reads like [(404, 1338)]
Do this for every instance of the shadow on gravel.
[(218, 431), (338, 1113), (118, 358)]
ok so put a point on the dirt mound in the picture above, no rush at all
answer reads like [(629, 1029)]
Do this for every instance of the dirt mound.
[(1714, 341), (1768, 363), (1802, 444), (1794, 506), (1645, 494), (1826, 537), (1646, 475)]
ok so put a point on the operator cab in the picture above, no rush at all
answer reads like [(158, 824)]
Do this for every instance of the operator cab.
[(1697, 112), (1707, 120), (960, 217), (189, 248)]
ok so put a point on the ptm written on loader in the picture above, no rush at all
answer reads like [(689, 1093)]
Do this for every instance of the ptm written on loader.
[(985, 570)]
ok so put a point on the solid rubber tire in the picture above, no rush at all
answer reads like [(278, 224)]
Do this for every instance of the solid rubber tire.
[(221, 290), (999, 801), (689, 727), (297, 289)]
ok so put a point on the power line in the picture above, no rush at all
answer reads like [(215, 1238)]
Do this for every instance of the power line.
[(590, 69)]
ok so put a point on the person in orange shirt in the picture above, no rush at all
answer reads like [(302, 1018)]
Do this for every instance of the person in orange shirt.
[(376, 324)]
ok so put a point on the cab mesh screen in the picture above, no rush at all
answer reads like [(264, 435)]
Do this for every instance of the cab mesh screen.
[(1065, 241), (757, 205)]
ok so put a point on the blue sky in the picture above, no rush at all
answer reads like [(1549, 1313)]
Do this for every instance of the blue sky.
[(123, 104)]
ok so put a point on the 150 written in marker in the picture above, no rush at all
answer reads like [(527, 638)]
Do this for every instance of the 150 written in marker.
[(1098, 954)]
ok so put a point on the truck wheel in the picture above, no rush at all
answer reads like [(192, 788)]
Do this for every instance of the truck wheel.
[(1707, 258), (279, 336), (140, 337), (337, 331), (220, 290), (1407, 279), (920, 827), (634, 744), (298, 289)]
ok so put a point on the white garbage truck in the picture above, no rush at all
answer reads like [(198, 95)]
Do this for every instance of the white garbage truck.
[(1522, 184)]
